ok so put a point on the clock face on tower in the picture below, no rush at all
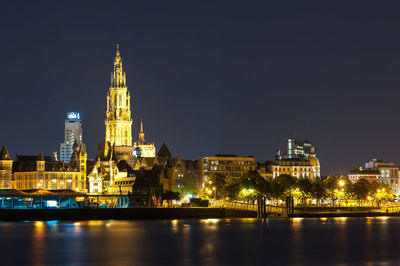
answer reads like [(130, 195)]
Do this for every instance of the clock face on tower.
[(124, 115)]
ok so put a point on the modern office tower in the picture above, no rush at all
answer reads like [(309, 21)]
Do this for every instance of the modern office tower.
[(72, 134), (297, 149)]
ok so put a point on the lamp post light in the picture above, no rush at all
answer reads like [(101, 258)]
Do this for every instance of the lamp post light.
[(215, 195)]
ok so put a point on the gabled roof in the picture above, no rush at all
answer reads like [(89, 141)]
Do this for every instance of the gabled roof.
[(27, 163), (31, 158), (123, 166), (4, 155), (164, 151), (90, 164)]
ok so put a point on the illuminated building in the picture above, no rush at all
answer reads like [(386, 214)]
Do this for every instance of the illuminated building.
[(175, 173), (368, 174), (72, 133), (142, 147), (232, 166), (5, 168), (118, 115), (42, 172), (296, 167), (378, 170), (110, 177), (297, 149)]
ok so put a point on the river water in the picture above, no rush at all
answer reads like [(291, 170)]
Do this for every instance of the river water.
[(333, 241)]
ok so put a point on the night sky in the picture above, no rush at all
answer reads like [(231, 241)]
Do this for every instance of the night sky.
[(208, 77)]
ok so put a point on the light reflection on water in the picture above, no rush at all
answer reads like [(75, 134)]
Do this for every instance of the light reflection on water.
[(297, 241)]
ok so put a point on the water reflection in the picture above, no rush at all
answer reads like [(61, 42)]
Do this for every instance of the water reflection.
[(297, 241)]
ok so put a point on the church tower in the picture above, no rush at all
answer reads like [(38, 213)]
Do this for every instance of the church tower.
[(142, 147), (6, 163), (118, 116)]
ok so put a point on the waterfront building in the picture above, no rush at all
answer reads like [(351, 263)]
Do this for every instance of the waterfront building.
[(300, 167), (72, 134), (142, 147), (297, 149), (99, 177), (122, 179), (42, 172), (110, 176), (368, 174), (178, 174), (232, 166), (5, 168), (379, 170), (148, 187)]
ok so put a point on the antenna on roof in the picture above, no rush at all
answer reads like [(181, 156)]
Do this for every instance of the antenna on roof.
[(308, 135), (291, 131)]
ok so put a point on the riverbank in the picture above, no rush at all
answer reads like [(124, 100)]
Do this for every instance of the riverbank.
[(341, 214), (123, 214)]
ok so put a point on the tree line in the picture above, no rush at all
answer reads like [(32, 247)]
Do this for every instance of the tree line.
[(317, 191)]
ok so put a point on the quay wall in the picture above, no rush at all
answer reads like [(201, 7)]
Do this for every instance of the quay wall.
[(122, 214)]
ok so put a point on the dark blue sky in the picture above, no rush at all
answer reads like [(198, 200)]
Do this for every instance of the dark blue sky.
[(208, 76)]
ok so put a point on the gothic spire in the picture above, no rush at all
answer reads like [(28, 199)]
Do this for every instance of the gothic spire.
[(118, 77), (4, 155), (75, 147), (141, 133), (40, 156)]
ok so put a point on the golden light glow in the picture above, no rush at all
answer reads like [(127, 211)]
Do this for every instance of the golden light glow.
[(118, 117), (213, 221), (383, 217), (39, 224), (297, 219)]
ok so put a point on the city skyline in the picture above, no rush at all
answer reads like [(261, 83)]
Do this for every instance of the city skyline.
[(217, 91)]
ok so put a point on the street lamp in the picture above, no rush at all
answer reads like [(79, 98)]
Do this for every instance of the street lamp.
[(341, 183)]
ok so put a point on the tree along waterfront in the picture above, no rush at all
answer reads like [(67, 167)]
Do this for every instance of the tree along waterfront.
[(286, 189)]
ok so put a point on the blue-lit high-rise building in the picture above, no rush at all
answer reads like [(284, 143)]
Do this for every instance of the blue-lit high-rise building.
[(72, 134), (298, 149)]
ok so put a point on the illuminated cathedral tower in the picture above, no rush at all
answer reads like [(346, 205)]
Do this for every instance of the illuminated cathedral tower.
[(118, 121)]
